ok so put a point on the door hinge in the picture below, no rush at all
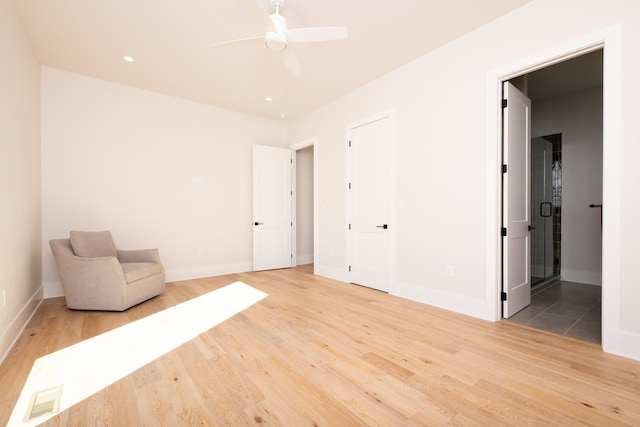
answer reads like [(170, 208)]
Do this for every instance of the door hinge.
[(503, 296), (349, 186), (504, 168), (291, 160), (291, 256), (349, 268), (504, 103), (503, 231), (349, 226), (349, 144)]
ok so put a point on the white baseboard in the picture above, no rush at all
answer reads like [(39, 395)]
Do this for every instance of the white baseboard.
[(19, 322), (53, 290), (304, 259), (331, 272), (581, 276), (621, 343), (175, 275), (474, 307)]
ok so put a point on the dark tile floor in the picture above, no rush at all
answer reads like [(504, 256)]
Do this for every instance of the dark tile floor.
[(565, 308)]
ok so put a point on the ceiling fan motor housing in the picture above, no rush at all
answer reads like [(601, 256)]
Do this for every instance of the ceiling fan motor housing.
[(277, 40)]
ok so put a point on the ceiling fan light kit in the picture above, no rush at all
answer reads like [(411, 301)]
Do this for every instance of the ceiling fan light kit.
[(275, 41)]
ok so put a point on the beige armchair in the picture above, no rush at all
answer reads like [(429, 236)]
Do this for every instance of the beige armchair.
[(97, 276)]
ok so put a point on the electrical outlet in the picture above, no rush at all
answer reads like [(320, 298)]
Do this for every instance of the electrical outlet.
[(449, 270)]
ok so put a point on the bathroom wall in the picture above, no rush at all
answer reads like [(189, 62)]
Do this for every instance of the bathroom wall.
[(578, 116)]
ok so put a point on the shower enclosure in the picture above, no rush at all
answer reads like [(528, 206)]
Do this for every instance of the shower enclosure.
[(546, 207)]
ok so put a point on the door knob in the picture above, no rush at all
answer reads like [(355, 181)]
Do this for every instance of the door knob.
[(258, 223), (384, 226)]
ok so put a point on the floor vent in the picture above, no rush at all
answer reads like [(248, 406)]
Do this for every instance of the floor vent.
[(44, 402)]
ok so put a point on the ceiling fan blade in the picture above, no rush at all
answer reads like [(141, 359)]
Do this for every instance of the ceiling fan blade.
[(239, 41), (316, 34), (290, 61)]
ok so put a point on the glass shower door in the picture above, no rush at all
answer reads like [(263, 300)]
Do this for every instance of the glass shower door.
[(542, 209)]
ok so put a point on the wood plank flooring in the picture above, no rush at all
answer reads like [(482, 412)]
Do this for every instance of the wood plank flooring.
[(317, 352)]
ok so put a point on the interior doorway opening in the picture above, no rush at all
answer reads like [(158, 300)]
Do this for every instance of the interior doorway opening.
[(305, 203), (566, 110)]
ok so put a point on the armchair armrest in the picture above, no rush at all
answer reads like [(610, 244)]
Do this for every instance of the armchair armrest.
[(139, 255), (89, 281)]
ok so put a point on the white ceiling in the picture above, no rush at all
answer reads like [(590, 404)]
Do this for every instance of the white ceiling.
[(171, 43)]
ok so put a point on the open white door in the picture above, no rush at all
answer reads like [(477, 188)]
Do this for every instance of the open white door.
[(516, 245), (272, 195), (369, 203)]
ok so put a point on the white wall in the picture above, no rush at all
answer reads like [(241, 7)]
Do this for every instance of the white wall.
[(20, 271), (304, 205), (578, 117), (156, 171), (447, 159)]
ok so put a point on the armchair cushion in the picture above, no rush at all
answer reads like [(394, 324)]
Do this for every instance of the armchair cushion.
[(139, 270), (92, 244)]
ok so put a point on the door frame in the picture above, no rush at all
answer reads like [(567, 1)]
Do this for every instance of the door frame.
[(391, 116), (609, 39), (310, 142)]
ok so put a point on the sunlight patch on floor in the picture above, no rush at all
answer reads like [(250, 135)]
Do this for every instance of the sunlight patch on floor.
[(85, 368)]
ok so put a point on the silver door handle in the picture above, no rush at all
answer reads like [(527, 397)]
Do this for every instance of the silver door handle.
[(382, 226)]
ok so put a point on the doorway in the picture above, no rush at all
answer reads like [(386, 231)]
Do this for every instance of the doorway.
[(305, 195), (566, 112), (304, 206)]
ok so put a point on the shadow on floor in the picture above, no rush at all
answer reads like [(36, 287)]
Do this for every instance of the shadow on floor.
[(565, 308)]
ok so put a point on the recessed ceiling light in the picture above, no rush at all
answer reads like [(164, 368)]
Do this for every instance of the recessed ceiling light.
[(268, 99), (283, 116), (128, 58)]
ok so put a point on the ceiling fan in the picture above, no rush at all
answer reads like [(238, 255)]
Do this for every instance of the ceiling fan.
[(278, 36)]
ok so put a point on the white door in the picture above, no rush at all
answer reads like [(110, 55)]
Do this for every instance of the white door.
[(272, 195), (369, 188), (516, 245)]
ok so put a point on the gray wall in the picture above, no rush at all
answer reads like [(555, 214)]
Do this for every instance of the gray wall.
[(578, 117)]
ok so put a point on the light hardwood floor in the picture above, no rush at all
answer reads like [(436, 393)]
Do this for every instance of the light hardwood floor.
[(318, 352)]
